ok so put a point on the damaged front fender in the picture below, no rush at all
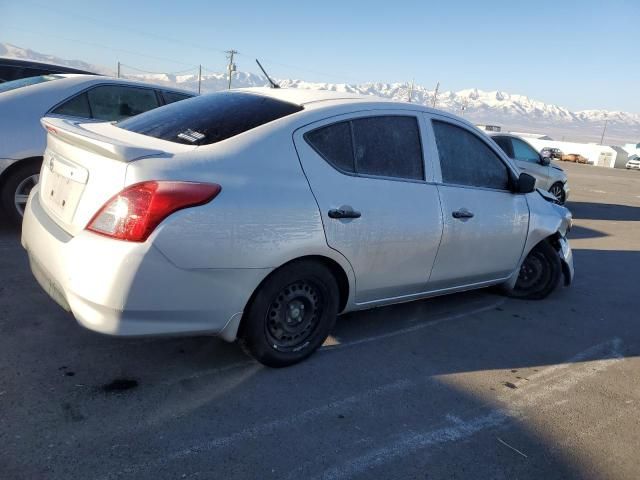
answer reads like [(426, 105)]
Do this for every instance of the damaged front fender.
[(547, 221)]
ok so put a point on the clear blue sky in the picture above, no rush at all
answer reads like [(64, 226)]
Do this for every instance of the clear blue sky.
[(579, 54)]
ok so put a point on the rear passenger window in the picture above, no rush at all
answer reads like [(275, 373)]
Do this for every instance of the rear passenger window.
[(171, 97), (522, 151), (467, 160), (334, 144), (387, 146), (115, 102), (505, 144), (78, 106)]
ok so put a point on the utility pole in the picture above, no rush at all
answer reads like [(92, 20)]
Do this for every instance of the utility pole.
[(435, 95), (199, 77), (231, 67), (118, 69), (411, 90), (465, 103), (604, 130)]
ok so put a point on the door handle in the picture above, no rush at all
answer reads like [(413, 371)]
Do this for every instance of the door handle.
[(462, 213), (343, 213)]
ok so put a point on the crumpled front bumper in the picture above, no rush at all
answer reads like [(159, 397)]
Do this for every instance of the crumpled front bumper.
[(566, 255)]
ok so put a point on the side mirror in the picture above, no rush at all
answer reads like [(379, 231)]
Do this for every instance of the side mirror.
[(544, 161), (526, 183)]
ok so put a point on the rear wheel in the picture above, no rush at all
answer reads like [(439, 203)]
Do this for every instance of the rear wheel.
[(539, 274), (16, 190), (291, 314), (557, 190)]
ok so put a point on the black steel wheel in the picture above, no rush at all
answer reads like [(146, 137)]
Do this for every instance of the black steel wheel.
[(291, 314), (557, 190), (539, 273), (294, 315)]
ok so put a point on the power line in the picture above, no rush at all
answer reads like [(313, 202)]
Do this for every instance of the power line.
[(159, 73), (93, 44), (113, 26)]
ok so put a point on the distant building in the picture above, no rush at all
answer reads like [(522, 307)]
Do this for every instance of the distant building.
[(600, 155), (537, 136), (490, 128), (622, 157)]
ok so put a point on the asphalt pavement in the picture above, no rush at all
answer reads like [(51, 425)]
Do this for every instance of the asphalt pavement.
[(470, 385)]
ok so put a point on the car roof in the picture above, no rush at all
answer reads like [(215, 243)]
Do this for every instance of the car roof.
[(301, 96), (20, 63), (73, 78), (325, 99)]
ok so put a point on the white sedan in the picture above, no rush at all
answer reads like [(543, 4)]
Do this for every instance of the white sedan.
[(261, 214), (90, 97), (633, 163)]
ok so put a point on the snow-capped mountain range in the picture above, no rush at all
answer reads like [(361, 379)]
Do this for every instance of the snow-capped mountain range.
[(512, 111)]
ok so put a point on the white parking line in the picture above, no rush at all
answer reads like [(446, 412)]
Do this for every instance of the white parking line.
[(457, 429), (306, 415), (414, 328), (337, 346), (517, 401)]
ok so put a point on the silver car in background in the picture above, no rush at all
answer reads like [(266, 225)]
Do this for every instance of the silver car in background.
[(549, 177), (25, 101), (261, 214)]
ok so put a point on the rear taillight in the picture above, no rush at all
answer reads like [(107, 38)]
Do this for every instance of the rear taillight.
[(138, 209)]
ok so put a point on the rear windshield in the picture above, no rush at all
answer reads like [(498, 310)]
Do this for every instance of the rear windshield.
[(25, 82), (209, 118)]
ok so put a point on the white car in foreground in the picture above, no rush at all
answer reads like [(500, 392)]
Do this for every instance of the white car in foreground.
[(25, 101), (263, 213)]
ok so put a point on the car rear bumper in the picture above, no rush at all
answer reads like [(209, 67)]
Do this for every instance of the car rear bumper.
[(126, 288)]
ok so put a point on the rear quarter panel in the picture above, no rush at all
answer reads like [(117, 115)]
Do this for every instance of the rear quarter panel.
[(264, 216)]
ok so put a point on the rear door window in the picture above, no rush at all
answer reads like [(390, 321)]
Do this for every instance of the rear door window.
[(210, 118), (505, 144), (467, 160), (386, 146), (77, 106), (522, 151), (334, 144), (117, 102), (171, 97)]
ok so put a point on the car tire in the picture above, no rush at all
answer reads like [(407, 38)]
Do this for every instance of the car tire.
[(557, 190), (19, 181), (539, 274), (291, 314)]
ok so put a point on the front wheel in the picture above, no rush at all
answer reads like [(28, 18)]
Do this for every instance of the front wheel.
[(557, 190), (291, 314), (539, 274)]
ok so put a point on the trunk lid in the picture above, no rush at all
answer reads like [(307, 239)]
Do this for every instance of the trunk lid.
[(85, 165)]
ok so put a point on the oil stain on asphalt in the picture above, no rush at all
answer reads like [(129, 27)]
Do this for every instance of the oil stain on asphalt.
[(119, 385)]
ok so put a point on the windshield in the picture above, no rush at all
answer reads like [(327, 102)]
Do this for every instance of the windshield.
[(25, 82), (209, 118)]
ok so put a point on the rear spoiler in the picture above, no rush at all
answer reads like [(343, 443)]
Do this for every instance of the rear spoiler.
[(71, 132)]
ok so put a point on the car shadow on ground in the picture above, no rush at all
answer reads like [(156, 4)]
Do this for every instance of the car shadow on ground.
[(580, 232), (385, 368), (603, 211)]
